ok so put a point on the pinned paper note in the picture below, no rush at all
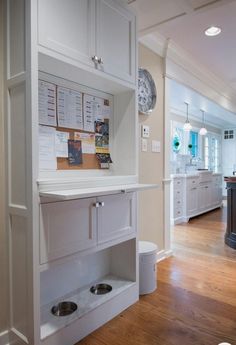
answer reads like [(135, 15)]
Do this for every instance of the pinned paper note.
[(47, 103), (74, 152), (102, 136), (62, 144), (47, 154), (69, 108), (88, 142), (95, 109)]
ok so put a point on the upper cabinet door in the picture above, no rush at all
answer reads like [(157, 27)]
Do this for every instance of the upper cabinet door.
[(68, 27), (116, 40)]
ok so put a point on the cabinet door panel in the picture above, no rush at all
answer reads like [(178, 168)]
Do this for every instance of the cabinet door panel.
[(68, 28), (202, 199), (117, 217), (116, 40), (192, 201), (66, 227)]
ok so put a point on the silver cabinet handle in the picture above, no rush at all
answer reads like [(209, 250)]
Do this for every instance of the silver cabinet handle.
[(99, 204), (95, 59), (100, 61)]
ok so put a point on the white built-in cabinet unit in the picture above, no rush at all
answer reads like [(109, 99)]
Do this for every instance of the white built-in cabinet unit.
[(70, 229), (192, 195)]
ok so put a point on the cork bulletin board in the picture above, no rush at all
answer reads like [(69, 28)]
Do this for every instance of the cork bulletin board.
[(82, 115), (89, 161)]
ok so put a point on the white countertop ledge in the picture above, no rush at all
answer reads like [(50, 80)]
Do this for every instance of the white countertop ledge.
[(70, 194)]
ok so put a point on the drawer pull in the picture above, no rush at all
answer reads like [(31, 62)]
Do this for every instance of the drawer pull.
[(95, 59)]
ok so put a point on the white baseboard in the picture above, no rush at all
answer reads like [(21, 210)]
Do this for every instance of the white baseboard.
[(4, 338), (164, 254)]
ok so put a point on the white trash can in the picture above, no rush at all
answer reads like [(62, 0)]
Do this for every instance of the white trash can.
[(147, 267)]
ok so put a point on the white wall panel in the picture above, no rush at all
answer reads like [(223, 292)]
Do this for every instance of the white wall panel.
[(16, 37), (17, 144), (19, 294)]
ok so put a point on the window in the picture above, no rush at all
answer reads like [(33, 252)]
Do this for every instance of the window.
[(215, 154), (177, 143), (193, 142), (212, 153), (229, 134), (206, 152)]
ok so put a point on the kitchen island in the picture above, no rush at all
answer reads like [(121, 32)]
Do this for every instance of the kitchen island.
[(230, 235)]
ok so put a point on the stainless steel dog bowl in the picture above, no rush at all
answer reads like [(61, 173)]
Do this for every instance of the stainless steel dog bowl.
[(101, 289), (64, 308)]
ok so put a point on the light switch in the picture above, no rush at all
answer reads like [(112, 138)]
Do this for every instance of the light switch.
[(156, 146), (144, 145), (145, 131)]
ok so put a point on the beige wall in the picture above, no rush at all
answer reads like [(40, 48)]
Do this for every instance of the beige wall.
[(3, 242), (151, 220)]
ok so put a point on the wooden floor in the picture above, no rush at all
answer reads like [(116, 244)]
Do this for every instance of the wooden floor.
[(195, 302)]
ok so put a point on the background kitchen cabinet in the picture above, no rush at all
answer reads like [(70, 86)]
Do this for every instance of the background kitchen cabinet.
[(198, 194), (191, 201)]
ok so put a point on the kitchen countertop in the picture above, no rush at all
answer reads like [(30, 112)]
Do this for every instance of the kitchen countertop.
[(194, 174), (231, 179)]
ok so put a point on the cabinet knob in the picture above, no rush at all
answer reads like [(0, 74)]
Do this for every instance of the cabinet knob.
[(101, 203), (96, 204), (100, 61), (95, 59)]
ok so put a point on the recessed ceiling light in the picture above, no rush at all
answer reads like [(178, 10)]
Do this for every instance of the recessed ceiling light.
[(213, 31)]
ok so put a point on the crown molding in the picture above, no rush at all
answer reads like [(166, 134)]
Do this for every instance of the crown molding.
[(157, 43), (185, 69)]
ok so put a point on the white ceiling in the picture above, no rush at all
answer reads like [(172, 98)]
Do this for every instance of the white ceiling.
[(184, 21), (214, 114)]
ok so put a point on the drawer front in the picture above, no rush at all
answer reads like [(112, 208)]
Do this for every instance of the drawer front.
[(178, 194), (178, 183), (66, 228), (178, 212), (217, 179), (192, 182), (178, 203), (116, 218)]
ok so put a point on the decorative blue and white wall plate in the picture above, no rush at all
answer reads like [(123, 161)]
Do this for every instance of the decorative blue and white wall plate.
[(147, 94)]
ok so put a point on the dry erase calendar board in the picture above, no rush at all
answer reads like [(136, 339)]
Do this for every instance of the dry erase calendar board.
[(75, 125)]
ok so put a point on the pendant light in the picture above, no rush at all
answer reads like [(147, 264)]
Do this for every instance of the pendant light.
[(203, 130), (187, 126)]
